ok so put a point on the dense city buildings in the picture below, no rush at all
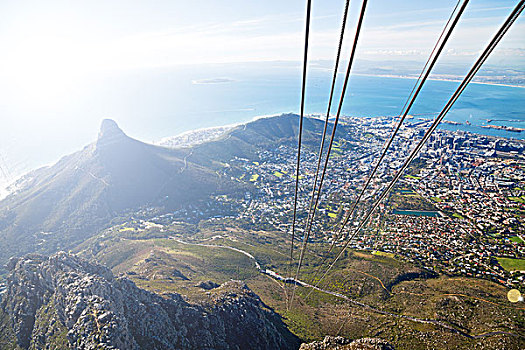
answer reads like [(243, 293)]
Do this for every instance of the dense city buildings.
[(457, 210)]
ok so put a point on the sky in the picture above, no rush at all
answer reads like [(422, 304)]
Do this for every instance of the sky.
[(92, 35), (53, 48)]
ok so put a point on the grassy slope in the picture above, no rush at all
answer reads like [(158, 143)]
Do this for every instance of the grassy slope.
[(474, 306), (510, 264)]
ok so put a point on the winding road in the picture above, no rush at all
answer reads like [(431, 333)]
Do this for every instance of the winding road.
[(186, 161), (276, 276)]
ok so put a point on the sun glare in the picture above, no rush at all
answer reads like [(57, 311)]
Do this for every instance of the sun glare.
[(43, 68)]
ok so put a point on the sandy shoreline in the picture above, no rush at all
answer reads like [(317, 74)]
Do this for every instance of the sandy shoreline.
[(438, 79)]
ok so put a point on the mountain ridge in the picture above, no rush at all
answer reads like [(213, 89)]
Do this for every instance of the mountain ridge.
[(59, 206), (84, 191)]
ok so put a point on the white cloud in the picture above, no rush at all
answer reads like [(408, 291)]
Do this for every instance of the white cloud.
[(272, 37)]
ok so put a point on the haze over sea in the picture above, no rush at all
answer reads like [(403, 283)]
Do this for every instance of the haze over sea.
[(155, 103), (184, 100)]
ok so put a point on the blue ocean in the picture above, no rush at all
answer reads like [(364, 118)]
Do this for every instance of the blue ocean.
[(182, 100), (149, 104)]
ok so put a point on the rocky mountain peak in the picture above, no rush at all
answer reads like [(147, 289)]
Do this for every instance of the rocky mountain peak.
[(109, 133), (63, 301), (340, 343)]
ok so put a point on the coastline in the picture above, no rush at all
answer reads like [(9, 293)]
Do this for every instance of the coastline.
[(218, 127), (4, 186), (319, 116), (224, 128), (397, 76)]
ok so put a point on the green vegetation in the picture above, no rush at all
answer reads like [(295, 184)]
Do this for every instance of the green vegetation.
[(412, 177), (388, 255), (376, 278), (456, 215), (254, 177), (407, 199), (48, 321), (516, 239), (511, 264), (7, 337), (518, 199), (278, 174)]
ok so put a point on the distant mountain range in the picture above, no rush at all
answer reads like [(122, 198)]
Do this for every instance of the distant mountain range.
[(57, 207)]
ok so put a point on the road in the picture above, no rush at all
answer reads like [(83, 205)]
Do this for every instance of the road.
[(93, 175), (257, 265), (290, 280), (186, 161)]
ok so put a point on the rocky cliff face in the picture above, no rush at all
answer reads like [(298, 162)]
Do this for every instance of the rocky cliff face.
[(340, 343), (62, 302)]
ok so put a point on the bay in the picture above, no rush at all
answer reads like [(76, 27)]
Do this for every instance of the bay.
[(150, 104)]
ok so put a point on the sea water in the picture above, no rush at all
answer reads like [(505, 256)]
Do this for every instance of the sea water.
[(196, 99), (150, 104)]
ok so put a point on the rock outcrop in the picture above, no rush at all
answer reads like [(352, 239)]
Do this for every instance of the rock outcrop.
[(340, 343), (207, 285), (62, 302)]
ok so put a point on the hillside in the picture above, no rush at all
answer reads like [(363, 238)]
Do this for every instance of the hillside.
[(192, 250), (389, 298), (244, 141), (69, 201), (59, 206)]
